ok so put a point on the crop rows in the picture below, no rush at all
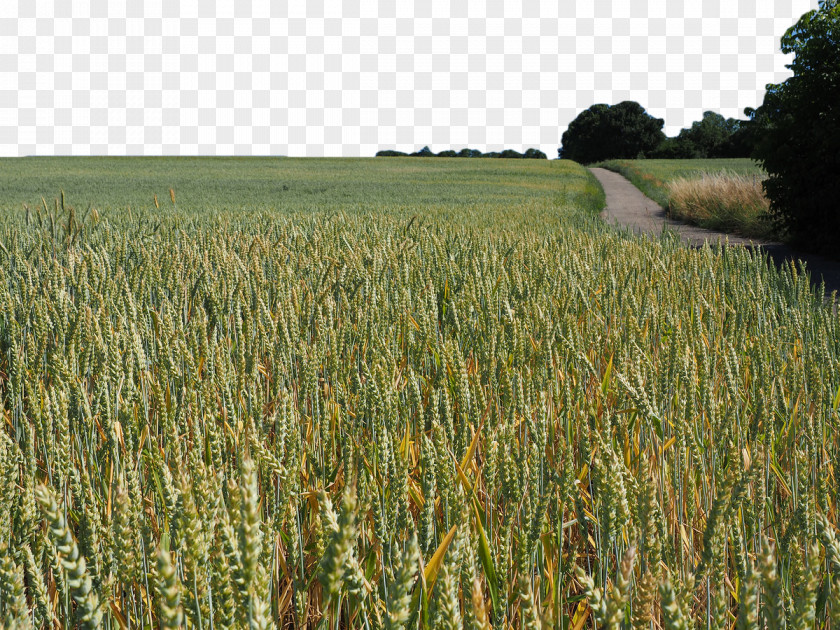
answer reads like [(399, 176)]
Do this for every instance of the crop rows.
[(358, 421)]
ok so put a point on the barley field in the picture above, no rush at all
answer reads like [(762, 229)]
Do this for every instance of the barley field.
[(419, 396)]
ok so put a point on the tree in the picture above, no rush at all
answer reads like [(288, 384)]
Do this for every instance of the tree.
[(799, 140), (712, 137), (424, 152), (707, 138), (743, 140), (534, 154), (605, 132)]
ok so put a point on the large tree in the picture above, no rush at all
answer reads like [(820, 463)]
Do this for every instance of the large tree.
[(708, 137), (799, 139), (605, 132)]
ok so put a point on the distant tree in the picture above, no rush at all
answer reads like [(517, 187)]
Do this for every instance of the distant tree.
[(799, 133), (466, 153), (708, 136), (744, 139), (712, 137), (605, 132), (534, 154), (424, 152)]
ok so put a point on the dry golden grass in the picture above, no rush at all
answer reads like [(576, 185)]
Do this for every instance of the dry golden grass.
[(723, 201)]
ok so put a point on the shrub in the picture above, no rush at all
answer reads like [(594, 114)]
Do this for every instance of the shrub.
[(390, 153)]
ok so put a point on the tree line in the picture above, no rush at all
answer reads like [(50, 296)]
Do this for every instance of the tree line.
[(530, 154), (627, 131)]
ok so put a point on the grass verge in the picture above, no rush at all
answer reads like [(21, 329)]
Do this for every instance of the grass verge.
[(727, 202)]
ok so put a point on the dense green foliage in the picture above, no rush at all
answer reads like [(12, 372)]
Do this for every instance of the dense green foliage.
[(474, 414), (530, 154), (712, 137), (799, 141), (606, 132)]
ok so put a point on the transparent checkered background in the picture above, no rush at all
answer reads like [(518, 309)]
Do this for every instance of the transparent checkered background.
[(350, 77)]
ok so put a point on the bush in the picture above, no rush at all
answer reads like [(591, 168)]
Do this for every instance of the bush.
[(511, 154), (449, 153), (390, 153), (799, 140)]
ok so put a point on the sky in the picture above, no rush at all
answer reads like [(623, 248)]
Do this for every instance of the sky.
[(350, 77)]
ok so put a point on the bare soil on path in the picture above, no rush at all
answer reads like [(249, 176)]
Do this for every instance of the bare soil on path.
[(628, 207)]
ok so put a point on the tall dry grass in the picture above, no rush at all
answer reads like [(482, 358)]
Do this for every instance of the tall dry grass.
[(722, 201)]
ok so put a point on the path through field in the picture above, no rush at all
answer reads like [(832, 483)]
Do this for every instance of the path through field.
[(628, 207)]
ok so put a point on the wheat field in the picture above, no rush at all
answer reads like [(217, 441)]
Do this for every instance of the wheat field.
[(485, 415)]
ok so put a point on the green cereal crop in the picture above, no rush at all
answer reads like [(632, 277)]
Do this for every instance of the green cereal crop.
[(426, 396)]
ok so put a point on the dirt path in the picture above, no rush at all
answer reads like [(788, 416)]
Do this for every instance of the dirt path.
[(628, 207)]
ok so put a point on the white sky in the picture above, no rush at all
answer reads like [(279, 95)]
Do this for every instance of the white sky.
[(325, 77)]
